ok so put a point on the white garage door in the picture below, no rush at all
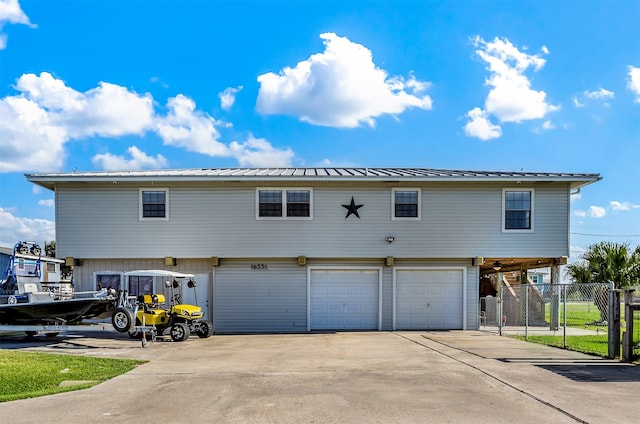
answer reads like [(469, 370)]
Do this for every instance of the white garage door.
[(429, 299), (344, 299)]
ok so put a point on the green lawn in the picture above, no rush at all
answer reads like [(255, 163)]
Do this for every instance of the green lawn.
[(29, 374), (596, 345), (582, 315)]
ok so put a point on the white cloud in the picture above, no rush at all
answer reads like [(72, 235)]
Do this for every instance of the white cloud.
[(599, 94), (592, 212), (511, 98), (341, 87), (10, 12), (35, 189), (46, 114), (258, 152), (108, 110), (577, 102), (46, 202), (14, 229), (228, 97), (139, 160), (191, 129), (634, 82), (548, 125), (480, 126), (622, 206), (575, 196)]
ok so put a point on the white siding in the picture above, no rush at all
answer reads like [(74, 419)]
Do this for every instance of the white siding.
[(458, 221)]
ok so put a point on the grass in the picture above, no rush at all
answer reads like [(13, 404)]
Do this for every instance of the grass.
[(597, 345), (581, 315), (28, 374)]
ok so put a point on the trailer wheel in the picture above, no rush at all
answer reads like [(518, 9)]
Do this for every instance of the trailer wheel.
[(122, 320), (205, 329), (179, 332)]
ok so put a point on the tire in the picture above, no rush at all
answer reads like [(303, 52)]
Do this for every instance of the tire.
[(122, 320), (205, 329), (179, 332)]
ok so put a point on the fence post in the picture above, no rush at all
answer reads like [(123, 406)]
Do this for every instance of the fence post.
[(555, 299), (526, 311), (500, 311), (627, 339), (614, 323), (564, 313)]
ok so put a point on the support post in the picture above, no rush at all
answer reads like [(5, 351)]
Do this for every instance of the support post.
[(554, 306), (627, 340), (500, 302), (614, 324)]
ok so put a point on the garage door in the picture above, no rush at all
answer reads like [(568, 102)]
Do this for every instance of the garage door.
[(344, 299), (429, 299)]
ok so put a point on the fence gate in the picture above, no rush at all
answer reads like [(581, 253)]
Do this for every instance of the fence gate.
[(563, 314)]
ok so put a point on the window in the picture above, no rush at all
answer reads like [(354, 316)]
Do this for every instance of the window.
[(284, 203), (140, 285), (108, 280), (154, 204), (405, 204), (517, 210), (51, 267)]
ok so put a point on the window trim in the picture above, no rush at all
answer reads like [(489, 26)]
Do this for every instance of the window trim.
[(284, 216), (504, 211), (97, 273), (393, 204), (141, 190)]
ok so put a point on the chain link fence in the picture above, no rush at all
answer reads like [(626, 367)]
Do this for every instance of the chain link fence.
[(572, 316)]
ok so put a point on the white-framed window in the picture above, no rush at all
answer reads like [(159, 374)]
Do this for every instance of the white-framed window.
[(107, 279), (517, 210), (154, 204), (406, 204), (51, 266), (284, 203)]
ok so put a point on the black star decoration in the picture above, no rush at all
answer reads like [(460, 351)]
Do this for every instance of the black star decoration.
[(352, 209)]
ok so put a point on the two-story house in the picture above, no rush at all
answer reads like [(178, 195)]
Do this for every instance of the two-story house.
[(300, 249)]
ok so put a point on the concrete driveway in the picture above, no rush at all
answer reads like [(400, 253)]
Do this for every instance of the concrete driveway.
[(377, 377)]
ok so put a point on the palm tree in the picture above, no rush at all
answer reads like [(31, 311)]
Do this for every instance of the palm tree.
[(607, 262)]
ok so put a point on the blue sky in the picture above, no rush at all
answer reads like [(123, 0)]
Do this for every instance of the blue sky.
[(108, 85)]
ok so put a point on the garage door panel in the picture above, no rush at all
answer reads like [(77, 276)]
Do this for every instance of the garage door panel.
[(429, 299), (350, 299)]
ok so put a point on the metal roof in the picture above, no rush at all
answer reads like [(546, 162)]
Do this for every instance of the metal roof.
[(310, 174)]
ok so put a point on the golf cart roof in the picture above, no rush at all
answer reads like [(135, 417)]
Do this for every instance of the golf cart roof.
[(158, 273)]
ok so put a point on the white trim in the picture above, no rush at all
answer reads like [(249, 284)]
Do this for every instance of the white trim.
[(96, 273), (431, 268), (533, 203), (393, 204), (344, 268), (284, 216), (166, 205)]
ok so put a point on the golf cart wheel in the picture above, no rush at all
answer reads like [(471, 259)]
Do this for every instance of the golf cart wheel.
[(179, 332), (205, 329), (122, 320)]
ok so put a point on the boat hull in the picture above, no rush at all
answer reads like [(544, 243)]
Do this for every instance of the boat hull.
[(56, 311)]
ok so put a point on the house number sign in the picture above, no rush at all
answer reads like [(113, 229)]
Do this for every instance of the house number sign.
[(259, 266)]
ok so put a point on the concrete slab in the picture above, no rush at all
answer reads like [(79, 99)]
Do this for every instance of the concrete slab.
[(377, 377)]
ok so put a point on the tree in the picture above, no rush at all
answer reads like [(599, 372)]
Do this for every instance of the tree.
[(607, 262), (50, 249)]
